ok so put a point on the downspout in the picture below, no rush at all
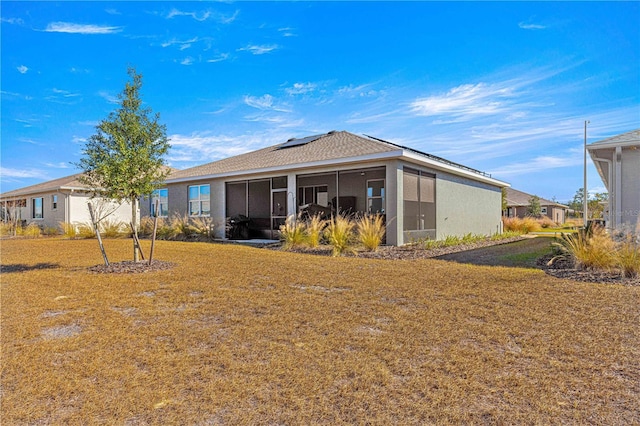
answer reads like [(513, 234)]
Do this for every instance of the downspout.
[(612, 195)]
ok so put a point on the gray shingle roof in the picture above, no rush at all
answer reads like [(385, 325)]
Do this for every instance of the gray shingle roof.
[(67, 182), (330, 146), (517, 198), (628, 138)]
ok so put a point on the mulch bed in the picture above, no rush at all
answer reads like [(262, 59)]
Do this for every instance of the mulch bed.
[(566, 268), (131, 267)]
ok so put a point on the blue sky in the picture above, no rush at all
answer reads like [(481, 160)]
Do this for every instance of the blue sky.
[(502, 87)]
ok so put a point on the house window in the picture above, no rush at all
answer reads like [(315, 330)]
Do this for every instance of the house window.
[(36, 208), (543, 210), (199, 200), (419, 200), (313, 194), (375, 196), (161, 197), (54, 202)]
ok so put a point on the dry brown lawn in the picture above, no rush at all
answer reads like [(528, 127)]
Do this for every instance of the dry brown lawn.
[(237, 335)]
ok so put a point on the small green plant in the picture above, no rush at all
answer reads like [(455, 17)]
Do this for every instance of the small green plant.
[(292, 233), (339, 233), (371, 231), (314, 226)]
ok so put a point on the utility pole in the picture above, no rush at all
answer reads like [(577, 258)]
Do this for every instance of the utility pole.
[(585, 194)]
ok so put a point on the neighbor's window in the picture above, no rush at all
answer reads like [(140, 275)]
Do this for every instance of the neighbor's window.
[(199, 200), (543, 210), (36, 204), (54, 202), (161, 196)]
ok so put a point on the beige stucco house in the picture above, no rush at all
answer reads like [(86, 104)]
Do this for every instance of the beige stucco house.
[(617, 160), (62, 200), (518, 203), (420, 195)]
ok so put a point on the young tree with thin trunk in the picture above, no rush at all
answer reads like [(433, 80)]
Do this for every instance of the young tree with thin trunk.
[(124, 159)]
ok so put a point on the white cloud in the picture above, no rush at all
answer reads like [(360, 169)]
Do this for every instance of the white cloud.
[(113, 12), (259, 49), (205, 15), (467, 100), (537, 165), (60, 165), (263, 102), (221, 57), (301, 88), (6, 172), (22, 69), (529, 26), (71, 28), (64, 93), (17, 21), (108, 97), (182, 43), (287, 32), (187, 61)]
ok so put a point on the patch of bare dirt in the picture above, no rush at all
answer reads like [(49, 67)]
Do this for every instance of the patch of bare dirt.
[(131, 267)]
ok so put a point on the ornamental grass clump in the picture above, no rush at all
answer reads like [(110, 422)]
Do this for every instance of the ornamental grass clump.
[(31, 231), (590, 248), (113, 228), (340, 235), (314, 227), (292, 233), (68, 230), (370, 230), (628, 257), (522, 225)]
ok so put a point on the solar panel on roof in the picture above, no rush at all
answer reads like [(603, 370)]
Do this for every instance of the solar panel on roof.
[(301, 141)]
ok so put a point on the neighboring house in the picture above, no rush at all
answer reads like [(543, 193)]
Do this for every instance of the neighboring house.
[(420, 195), (518, 203), (617, 160), (62, 200)]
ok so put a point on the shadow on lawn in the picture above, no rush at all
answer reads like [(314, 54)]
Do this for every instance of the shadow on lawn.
[(21, 267), (521, 254)]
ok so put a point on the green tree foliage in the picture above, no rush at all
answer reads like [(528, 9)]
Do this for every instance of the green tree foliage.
[(534, 209), (124, 159), (595, 203)]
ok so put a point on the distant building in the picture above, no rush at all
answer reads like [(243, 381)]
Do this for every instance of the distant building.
[(617, 160), (518, 202), (62, 200)]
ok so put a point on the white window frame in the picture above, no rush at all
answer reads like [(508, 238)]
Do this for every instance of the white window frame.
[(163, 202), (54, 202), (200, 202)]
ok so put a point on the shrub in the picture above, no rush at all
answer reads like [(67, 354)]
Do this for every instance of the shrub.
[(113, 228), (628, 257), (590, 248), (314, 226), (85, 231), (525, 225), (371, 231), (546, 222), (7, 229), (182, 228), (292, 232), (50, 230), (68, 230), (339, 234), (31, 231), (203, 228)]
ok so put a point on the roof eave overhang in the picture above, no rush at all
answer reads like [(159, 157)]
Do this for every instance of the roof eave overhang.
[(382, 156), (43, 191)]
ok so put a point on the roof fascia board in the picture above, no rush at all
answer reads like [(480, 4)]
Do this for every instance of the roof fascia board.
[(293, 167), (43, 191), (613, 144), (420, 159)]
